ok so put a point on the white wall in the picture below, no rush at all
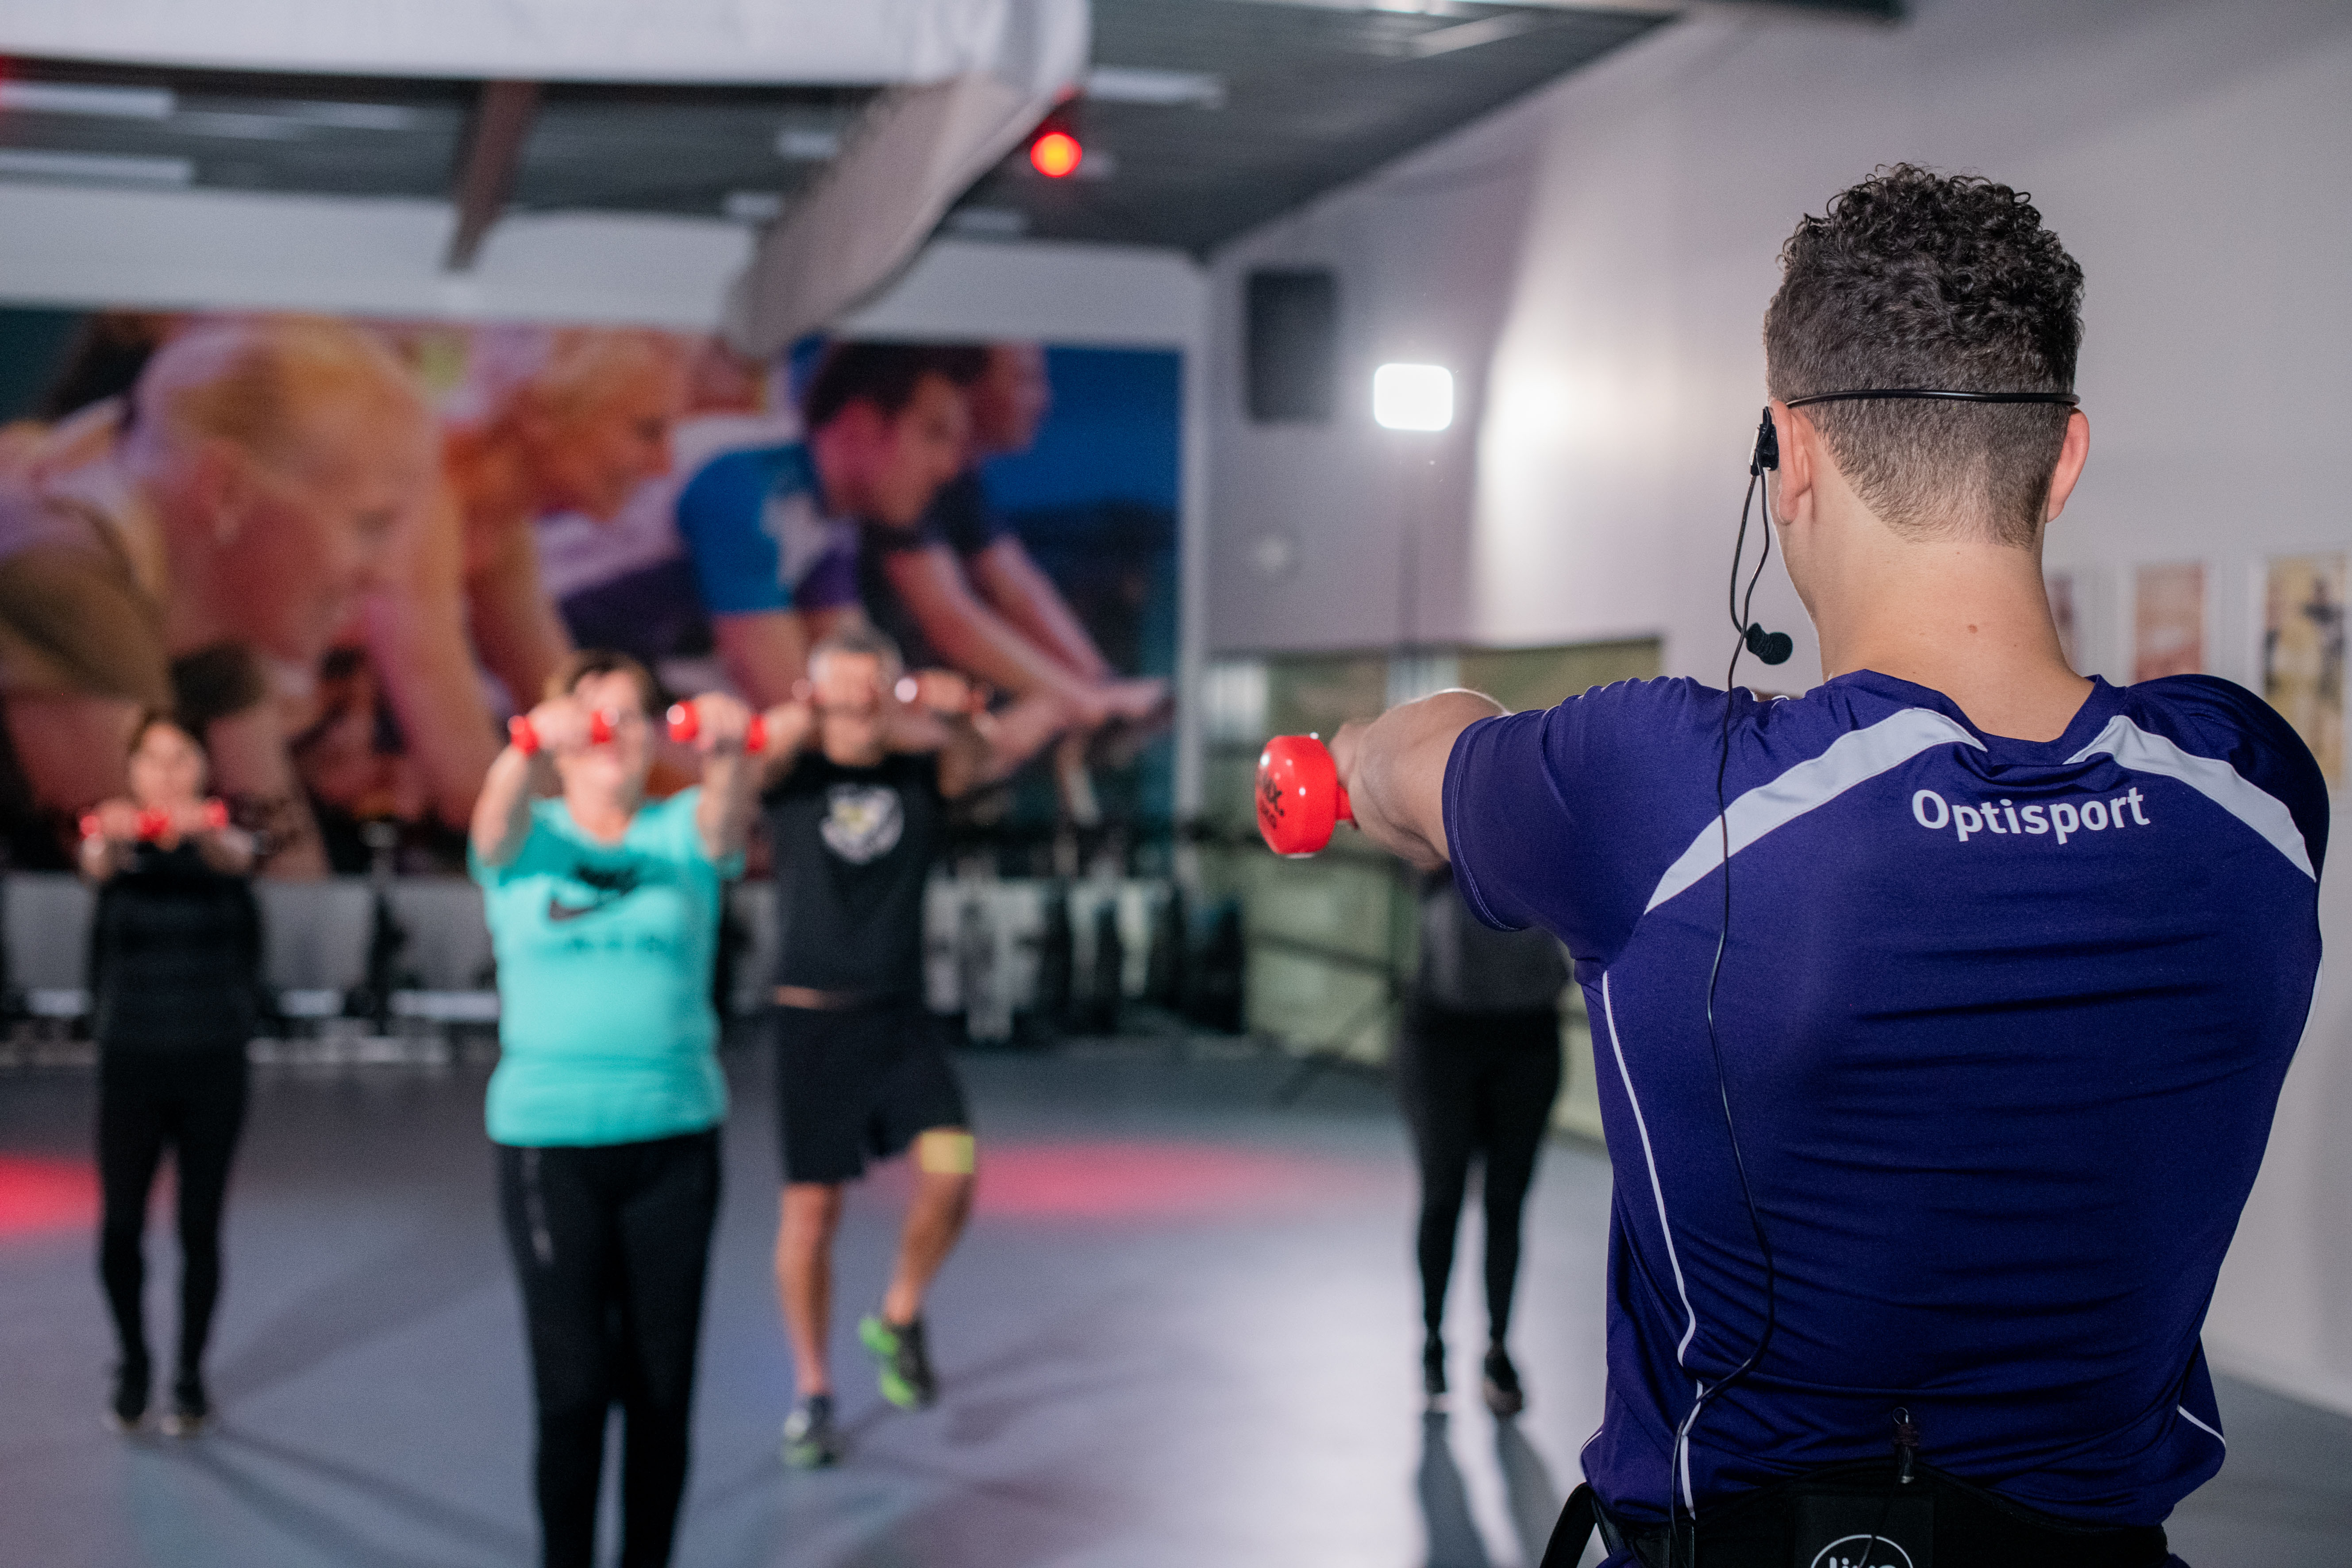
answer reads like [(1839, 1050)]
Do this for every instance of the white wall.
[(1594, 263)]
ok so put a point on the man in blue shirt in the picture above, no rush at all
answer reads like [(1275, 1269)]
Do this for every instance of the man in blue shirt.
[(772, 530), (2012, 961)]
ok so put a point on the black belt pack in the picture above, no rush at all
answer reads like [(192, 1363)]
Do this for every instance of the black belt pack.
[(1861, 1516)]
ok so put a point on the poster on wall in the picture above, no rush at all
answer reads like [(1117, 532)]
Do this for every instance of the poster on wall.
[(2168, 620), (347, 549), (2303, 652)]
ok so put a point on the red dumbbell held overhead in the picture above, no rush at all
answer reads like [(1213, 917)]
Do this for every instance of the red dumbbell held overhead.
[(1300, 797)]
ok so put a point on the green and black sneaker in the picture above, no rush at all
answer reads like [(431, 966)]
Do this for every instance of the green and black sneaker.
[(907, 1380), (812, 1442)]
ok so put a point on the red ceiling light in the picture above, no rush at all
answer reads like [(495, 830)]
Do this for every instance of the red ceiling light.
[(1057, 154)]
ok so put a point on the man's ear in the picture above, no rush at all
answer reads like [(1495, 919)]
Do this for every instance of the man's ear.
[(1800, 446), (2072, 453), (217, 486)]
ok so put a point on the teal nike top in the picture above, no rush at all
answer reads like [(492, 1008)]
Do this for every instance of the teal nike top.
[(606, 1029)]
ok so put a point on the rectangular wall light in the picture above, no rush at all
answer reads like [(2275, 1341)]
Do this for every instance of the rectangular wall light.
[(1414, 396)]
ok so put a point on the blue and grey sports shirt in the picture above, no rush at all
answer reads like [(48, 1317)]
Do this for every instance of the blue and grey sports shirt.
[(753, 528), (2003, 1024)]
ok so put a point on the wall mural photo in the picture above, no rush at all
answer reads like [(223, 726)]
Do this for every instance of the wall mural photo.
[(348, 549)]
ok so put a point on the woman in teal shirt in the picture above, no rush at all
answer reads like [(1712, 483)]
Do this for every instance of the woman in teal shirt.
[(604, 911)]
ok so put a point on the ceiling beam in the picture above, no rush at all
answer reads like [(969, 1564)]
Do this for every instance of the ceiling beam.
[(491, 152)]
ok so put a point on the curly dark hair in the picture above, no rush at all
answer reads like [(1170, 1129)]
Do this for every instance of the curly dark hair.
[(886, 375), (1918, 279)]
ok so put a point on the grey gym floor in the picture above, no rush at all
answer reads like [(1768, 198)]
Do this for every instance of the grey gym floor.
[(1181, 1332)]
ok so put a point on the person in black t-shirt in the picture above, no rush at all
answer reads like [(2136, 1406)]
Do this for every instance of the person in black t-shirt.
[(175, 961), (857, 815)]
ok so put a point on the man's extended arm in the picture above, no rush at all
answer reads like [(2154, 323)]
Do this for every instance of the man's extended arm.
[(764, 652), (516, 628), (418, 647), (969, 634), (1394, 770), (1021, 593)]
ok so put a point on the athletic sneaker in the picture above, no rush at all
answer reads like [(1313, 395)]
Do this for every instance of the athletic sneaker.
[(811, 1441), (907, 1380), (191, 1412), (1504, 1395), (127, 1411), (1432, 1370)]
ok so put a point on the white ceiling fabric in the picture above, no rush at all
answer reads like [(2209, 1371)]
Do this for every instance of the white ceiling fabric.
[(967, 80), (1039, 45)]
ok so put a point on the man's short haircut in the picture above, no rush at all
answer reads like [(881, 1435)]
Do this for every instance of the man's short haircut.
[(886, 375), (1914, 279), (864, 641), (593, 661)]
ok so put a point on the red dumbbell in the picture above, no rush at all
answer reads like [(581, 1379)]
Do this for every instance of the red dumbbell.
[(685, 724), (153, 823), (1300, 797)]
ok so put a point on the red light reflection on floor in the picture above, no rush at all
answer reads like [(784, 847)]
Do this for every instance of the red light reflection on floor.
[(1140, 1180), (38, 1196)]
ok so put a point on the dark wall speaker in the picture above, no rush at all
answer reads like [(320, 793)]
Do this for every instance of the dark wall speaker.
[(1294, 344)]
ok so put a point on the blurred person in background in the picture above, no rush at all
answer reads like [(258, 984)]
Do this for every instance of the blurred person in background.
[(961, 589), (628, 583), (83, 411), (1477, 1068), (603, 909), (856, 816), (569, 420), (957, 587), (269, 471), (175, 973), (773, 530)]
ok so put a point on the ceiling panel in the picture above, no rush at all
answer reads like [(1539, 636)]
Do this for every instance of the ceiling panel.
[(1218, 115)]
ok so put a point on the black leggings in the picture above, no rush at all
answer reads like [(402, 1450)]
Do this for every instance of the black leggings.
[(611, 1243), (191, 1101), (1476, 1084)]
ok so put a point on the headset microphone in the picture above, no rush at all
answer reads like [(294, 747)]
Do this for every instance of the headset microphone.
[(1770, 648)]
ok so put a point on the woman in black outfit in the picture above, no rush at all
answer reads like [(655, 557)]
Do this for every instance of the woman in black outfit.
[(1477, 1068), (175, 954)]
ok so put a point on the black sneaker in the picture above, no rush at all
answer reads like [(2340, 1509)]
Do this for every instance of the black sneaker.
[(907, 1380), (1433, 1369), (191, 1412), (1504, 1395), (812, 1442), (127, 1411)]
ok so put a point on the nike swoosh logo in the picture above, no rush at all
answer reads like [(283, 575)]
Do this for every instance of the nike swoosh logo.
[(558, 911)]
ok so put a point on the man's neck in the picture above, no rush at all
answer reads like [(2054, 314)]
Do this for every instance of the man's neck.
[(844, 753), (829, 460), (1967, 619)]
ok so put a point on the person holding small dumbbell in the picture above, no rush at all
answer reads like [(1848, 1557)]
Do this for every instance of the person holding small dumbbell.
[(864, 764), (603, 912), (175, 959)]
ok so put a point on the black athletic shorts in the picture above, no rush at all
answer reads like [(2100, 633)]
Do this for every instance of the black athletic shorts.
[(858, 1085)]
